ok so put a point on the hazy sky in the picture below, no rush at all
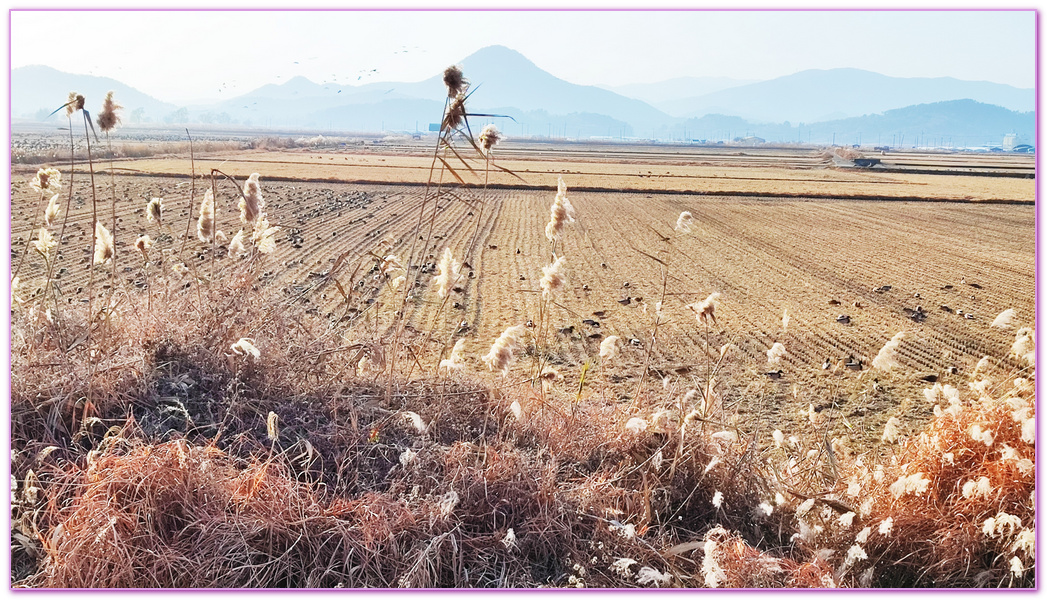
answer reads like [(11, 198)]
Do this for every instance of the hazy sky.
[(192, 56)]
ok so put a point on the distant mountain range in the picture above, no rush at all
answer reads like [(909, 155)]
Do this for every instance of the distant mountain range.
[(818, 95), (37, 90), (806, 106), (954, 123), (665, 95)]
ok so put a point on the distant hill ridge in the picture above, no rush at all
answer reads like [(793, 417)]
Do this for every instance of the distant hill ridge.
[(798, 106)]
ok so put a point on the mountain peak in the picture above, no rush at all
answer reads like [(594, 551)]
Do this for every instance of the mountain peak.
[(298, 80), (493, 58)]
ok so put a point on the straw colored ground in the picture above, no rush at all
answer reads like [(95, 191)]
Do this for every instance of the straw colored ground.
[(766, 256), (147, 453), (738, 171)]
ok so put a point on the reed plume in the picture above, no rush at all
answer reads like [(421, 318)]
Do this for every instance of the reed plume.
[(891, 430), (44, 242), (251, 204), (1004, 320), (454, 361), (205, 225), (109, 117), (776, 353), (391, 265), (489, 137), (705, 311), (415, 420), (264, 235), (155, 210), (272, 422), (47, 181), (1024, 346), (448, 272), (889, 357), (552, 279), (104, 248), (245, 347), (236, 246), (609, 348), (684, 222), (560, 213), (501, 353), (456, 113), (75, 103), (52, 211), (143, 244), (455, 81)]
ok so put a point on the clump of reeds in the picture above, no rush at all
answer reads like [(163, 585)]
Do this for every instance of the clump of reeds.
[(660, 495), (931, 516), (728, 561), (48, 183)]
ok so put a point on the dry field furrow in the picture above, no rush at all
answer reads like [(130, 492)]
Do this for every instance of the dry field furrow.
[(453, 228), (892, 301)]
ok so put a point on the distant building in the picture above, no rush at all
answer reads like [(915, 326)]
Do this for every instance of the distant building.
[(1010, 141)]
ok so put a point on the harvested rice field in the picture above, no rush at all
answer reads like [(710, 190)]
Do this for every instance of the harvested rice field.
[(849, 273), (612, 366)]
